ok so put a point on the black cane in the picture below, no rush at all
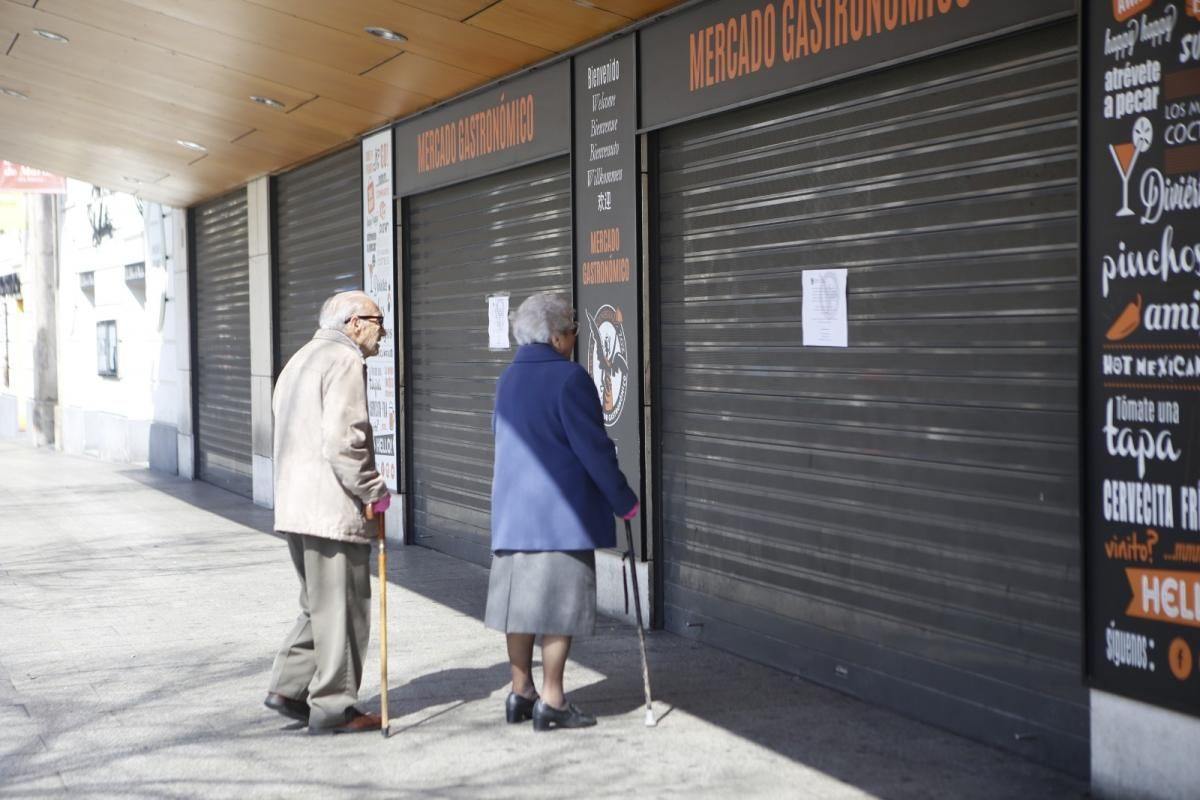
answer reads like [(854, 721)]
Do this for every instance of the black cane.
[(637, 608)]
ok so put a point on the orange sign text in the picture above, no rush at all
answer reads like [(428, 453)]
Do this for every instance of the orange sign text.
[(507, 124), (1165, 596), (789, 30)]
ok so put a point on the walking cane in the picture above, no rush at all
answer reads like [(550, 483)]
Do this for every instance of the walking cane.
[(637, 608), (383, 675)]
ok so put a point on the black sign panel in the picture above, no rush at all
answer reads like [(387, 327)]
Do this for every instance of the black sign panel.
[(606, 240), (514, 123), (727, 53), (1141, 267)]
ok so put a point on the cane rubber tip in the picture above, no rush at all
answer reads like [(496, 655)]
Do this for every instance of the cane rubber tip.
[(386, 732), (650, 721)]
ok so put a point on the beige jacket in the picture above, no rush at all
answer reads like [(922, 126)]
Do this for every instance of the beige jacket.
[(324, 452)]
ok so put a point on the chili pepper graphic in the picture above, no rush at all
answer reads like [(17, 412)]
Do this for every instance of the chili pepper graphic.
[(1127, 323)]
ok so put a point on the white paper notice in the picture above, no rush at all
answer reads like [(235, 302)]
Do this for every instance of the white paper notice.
[(824, 307), (498, 321)]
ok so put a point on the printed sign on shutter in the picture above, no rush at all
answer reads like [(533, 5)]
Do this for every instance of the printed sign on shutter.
[(378, 275), (1141, 273)]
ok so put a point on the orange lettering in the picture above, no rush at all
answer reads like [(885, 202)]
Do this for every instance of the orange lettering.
[(769, 37), (858, 17), (815, 32), (718, 36), (875, 18), (756, 34), (891, 14), (696, 54)]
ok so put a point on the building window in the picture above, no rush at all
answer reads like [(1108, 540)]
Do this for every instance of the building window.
[(106, 348)]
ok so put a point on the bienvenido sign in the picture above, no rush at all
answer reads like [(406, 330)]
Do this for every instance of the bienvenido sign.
[(723, 54), (1141, 267), (606, 240)]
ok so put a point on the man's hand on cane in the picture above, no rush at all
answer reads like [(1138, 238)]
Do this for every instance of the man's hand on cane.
[(378, 507)]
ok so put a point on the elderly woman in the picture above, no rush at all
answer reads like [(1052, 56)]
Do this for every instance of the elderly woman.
[(555, 490)]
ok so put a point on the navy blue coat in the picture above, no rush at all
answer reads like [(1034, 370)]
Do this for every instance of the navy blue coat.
[(556, 484)]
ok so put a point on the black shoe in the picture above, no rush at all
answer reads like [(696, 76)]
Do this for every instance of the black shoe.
[(546, 717), (292, 709), (517, 708)]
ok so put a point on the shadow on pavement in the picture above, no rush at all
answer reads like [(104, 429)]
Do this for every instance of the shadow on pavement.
[(863, 746)]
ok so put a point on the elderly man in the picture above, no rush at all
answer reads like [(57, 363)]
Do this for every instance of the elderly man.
[(326, 488)]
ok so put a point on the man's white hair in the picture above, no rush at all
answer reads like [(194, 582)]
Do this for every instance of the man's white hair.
[(542, 316), (337, 310)]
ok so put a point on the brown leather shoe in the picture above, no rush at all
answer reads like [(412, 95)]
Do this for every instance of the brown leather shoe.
[(356, 722)]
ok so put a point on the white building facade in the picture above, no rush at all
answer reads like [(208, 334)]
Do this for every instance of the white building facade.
[(121, 359)]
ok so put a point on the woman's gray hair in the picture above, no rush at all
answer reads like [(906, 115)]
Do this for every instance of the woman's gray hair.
[(542, 316), (337, 310)]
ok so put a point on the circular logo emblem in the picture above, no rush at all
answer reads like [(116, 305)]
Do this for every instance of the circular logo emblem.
[(608, 360), (1143, 134), (1180, 658)]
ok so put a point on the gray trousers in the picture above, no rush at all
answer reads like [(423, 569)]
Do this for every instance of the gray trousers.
[(321, 659)]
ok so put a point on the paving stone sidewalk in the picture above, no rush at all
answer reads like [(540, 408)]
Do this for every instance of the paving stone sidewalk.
[(139, 615)]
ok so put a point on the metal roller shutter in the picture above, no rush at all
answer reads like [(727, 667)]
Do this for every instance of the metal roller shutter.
[(509, 232), (318, 245), (222, 282), (898, 519)]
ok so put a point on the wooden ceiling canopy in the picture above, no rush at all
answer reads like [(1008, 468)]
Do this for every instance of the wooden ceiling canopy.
[(134, 78)]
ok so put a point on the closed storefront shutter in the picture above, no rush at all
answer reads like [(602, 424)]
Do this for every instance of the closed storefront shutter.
[(505, 233), (222, 281), (898, 518), (318, 223)]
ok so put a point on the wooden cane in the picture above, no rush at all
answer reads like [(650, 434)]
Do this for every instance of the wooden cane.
[(384, 722)]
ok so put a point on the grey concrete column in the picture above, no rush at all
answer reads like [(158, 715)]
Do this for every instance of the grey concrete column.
[(44, 294), (262, 346), (1140, 750), (178, 256)]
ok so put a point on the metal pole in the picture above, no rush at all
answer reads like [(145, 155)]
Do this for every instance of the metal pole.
[(637, 607), (6, 345), (45, 301)]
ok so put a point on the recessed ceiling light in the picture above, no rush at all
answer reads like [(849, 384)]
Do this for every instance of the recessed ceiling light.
[(386, 33), (270, 102), (51, 35), (13, 93), (190, 145)]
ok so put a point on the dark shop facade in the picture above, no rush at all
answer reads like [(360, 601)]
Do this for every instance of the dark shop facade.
[(890, 307)]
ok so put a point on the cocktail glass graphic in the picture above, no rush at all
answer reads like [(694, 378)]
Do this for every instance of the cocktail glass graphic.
[(1125, 156)]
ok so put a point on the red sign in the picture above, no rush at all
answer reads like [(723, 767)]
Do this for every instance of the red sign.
[(1124, 9), (19, 178)]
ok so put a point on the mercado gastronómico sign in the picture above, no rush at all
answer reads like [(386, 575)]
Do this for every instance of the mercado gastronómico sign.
[(722, 54), (513, 123)]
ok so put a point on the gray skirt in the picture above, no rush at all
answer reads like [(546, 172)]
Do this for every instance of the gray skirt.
[(550, 592)]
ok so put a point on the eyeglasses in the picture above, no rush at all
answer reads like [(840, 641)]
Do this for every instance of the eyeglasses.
[(377, 320)]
